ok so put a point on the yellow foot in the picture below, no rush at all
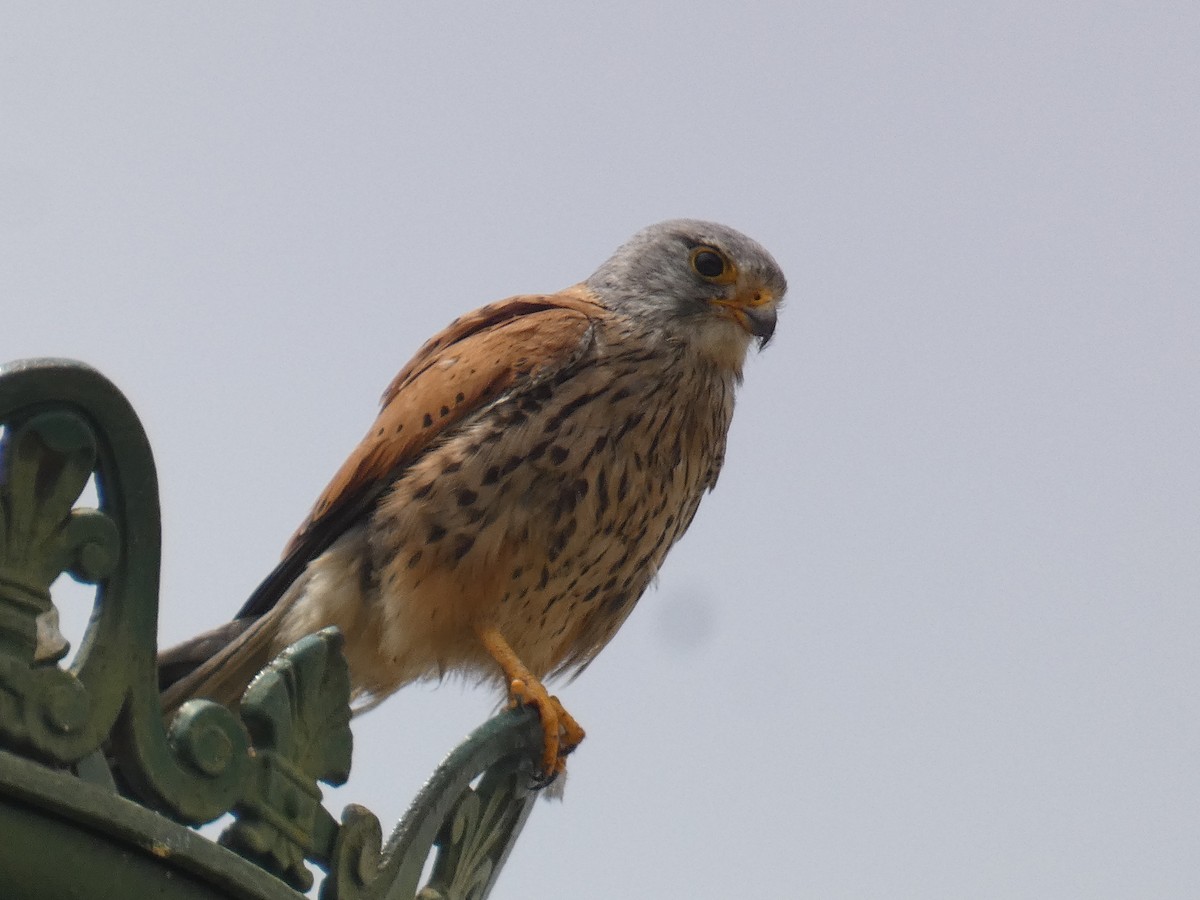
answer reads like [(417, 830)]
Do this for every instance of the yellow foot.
[(561, 734)]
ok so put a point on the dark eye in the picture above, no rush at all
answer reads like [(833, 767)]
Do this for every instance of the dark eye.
[(708, 262)]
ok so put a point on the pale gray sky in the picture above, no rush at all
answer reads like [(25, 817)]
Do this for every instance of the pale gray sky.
[(937, 633)]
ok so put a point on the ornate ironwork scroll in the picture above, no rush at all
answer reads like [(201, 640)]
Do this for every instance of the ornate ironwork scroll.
[(83, 746)]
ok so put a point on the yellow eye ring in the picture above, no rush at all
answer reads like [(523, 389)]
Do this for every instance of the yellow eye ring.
[(713, 265)]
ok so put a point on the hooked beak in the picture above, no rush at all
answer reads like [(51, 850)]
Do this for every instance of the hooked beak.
[(755, 313), (759, 321)]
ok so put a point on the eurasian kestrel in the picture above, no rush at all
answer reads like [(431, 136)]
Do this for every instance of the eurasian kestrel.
[(527, 474)]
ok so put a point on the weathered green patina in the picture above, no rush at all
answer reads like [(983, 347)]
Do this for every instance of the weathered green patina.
[(97, 793)]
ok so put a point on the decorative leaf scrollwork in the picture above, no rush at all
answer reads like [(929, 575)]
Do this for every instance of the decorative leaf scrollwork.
[(298, 716), (355, 858), (475, 840), (45, 463), (470, 829), (61, 424)]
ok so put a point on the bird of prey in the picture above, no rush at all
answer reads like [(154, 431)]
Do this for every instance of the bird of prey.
[(526, 476)]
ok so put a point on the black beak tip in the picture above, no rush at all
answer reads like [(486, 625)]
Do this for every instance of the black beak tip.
[(762, 325)]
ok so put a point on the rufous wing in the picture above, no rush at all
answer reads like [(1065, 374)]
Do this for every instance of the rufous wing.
[(469, 364)]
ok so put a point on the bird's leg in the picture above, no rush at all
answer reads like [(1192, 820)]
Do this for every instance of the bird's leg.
[(561, 733)]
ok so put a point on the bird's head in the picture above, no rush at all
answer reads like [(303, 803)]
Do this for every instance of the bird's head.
[(696, 281)]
